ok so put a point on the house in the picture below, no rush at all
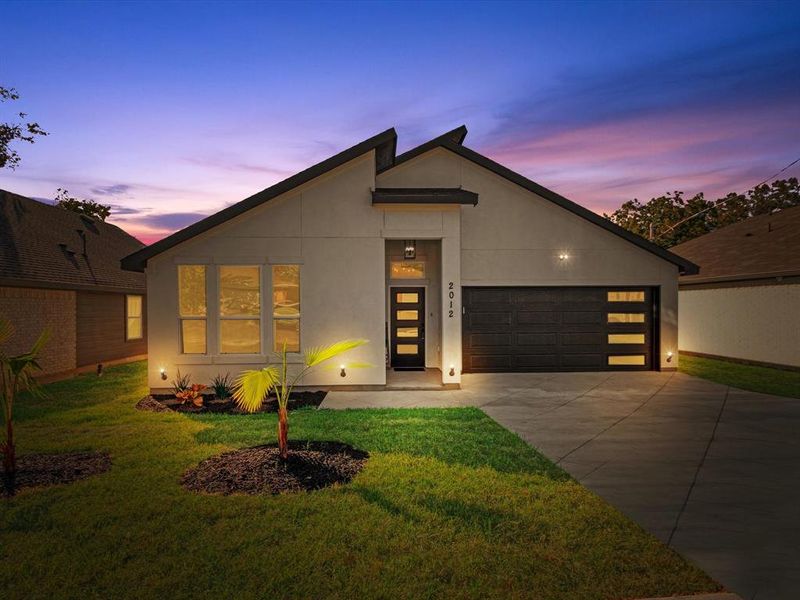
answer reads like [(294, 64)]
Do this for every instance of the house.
[(442, 258), (745, 303), (60, 270)]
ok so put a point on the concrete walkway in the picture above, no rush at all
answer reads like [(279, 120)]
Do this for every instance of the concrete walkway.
[(712, 471)]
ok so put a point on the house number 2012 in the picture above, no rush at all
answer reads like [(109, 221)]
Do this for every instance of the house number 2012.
[(451, 294)]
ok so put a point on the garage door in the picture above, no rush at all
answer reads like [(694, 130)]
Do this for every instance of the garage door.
[(521, 329)]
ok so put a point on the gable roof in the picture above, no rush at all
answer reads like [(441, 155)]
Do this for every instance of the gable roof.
[(46, 246), (384, 145), (453, 141), (760, 247)]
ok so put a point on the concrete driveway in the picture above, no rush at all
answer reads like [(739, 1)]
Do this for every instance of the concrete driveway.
[(711, 470)]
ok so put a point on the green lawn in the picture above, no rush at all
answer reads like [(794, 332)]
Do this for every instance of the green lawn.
[(450, 505), (747, 377)]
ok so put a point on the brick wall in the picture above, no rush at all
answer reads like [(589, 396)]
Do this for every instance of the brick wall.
[(30, 311)]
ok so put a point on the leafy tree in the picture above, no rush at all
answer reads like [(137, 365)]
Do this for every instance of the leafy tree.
[(252, 387), (90, 208), (11, 132), (670, 219), (16, 376)]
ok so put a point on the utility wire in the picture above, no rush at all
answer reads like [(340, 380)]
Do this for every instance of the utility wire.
[(723, 200)]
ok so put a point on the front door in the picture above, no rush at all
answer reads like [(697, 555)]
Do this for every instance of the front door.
[(408, 328)]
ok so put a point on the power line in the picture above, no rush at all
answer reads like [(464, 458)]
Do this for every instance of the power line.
[(723, 200)]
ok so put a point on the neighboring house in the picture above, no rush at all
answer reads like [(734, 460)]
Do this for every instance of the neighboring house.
[(745, 303), (60, 270), (440, 257)]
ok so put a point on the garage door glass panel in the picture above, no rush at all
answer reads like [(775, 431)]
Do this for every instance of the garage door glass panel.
[(626, 338), (626, 296), (626, 317), (627, 360)]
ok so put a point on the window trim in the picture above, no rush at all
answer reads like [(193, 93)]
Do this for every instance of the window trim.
[(298, 317), (257, 317), (128, 337), (182, 318)]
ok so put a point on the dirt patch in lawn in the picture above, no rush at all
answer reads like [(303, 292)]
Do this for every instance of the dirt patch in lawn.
[(259, 470), (42, 470), (212, 404)]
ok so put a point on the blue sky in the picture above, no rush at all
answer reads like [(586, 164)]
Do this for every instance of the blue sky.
[(170, 111)]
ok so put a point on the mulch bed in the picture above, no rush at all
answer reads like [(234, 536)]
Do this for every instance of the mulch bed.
[(212, 404), (42, 470), (259, 470)]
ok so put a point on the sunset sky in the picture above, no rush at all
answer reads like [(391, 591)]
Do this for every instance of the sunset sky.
[(169, 112)]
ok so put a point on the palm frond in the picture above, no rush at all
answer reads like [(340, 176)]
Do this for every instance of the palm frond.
[(319, 354), (253, 386)]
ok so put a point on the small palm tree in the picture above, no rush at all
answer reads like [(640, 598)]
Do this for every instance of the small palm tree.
[(252, 387), (16, 375)]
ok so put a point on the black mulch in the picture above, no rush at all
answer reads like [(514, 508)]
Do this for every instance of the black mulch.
[(259, 470), (212, 404), (41, 470)]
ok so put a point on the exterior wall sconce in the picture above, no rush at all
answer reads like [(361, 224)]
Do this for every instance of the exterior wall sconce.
[(342, 372), (452, 370), (410, 250), (563, 256), (163, 372), (669, 356)]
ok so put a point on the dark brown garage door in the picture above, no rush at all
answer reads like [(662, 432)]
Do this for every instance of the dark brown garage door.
[(519, 329)]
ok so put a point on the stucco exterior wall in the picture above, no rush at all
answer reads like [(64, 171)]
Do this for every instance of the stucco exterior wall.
[(33, 310), (327, 226), (759, 323), (514, 237)]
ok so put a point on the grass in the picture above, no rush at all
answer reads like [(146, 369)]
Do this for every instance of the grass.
[(747, 377), (450, 505)]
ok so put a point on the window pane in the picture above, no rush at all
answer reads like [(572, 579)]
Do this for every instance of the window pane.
[(192, 290), (631, 359), (406, 332), (287, 330), (406, 348), (286, 290), (240, 336), (194, 336), (626, 317), (407, 269), (626, 296), (134, 306), (239, 291), (626, 338), (407, 297), (134, 328), (407, 315)]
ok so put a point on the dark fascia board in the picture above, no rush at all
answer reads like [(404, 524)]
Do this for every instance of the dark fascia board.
[(138, 260), (456, 136), (424, 196), (686, 267)]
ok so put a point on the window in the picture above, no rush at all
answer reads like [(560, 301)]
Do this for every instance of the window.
[(286, 307), (626, 317), (407, 269), (192, 308), (407, 348), (407, 297), (133, 317), (629, 360), (626, 338), (240, 310), (626, 296), (407, 332), (407, 315)]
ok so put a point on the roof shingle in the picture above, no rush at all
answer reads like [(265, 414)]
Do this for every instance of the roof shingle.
[(760, 247), (45, 246)]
